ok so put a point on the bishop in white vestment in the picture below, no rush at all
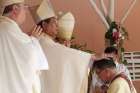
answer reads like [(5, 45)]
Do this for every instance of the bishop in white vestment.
[(68, 67), (19, 60)]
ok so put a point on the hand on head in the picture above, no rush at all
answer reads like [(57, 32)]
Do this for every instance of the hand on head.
[(97, 57), (36, 32)]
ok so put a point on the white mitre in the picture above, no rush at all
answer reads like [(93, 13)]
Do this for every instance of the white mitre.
[(4, 3), (66, 25), (45, 11)]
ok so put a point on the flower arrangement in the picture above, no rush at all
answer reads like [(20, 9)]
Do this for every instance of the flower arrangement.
[(115, 33), (115, 36)]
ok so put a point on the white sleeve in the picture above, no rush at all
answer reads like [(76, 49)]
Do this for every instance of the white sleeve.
[(42, 60), (123, 68), (127, 72)]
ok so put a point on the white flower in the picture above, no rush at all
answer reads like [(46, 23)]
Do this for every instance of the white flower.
[(123, 37), (115, 45), (114, 30), (120, 34)]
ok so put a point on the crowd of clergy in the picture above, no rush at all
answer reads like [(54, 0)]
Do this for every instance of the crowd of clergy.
[(43, 62)]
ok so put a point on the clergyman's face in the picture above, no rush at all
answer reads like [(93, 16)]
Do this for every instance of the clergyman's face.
[(103, 74), (52, 27), (22, 12)]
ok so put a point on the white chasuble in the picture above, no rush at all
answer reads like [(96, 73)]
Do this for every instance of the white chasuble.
[(18, 59), (68, 68)]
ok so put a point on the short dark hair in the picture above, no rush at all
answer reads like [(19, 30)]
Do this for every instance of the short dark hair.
[(104, 63), (46, 20), (111, 49)]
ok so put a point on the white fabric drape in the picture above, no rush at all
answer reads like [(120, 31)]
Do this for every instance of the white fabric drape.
[(18, 59), (68, 68)]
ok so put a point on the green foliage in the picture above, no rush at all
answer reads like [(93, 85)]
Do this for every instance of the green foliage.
[(82, 47)]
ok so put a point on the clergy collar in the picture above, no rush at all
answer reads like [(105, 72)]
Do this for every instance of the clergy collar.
[(7, 19)]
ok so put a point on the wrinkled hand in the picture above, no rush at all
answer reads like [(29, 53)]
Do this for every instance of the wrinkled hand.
[(37, 31)]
